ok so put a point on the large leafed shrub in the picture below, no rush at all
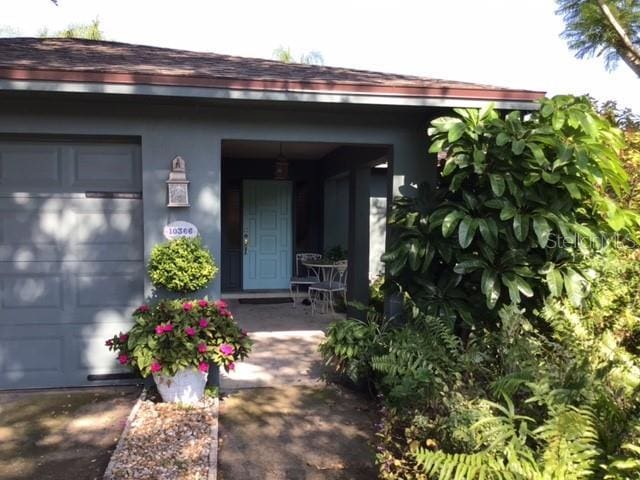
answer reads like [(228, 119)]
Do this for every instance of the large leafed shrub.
[(517, 354)]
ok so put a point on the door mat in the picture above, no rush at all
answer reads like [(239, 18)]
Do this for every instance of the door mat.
[(264, 301)]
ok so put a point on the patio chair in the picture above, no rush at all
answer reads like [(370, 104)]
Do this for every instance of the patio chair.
[(325, 291), (303, 277)]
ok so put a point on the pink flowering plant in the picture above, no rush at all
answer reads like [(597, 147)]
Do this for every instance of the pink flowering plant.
[(175, 334)]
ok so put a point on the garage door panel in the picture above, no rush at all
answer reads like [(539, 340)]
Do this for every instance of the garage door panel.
[(29, 291), (71, 265), (70, 229), (18, 360), (106, 290), (106, 165), (98, 293), (22, 354), (89, 253), (38, 167), (55, 355), (26, 166), (88, 268)]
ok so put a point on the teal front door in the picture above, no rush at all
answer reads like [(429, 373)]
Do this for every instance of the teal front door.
[(267, 238)]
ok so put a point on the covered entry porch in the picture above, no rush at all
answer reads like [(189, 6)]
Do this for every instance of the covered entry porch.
[(280, 199)]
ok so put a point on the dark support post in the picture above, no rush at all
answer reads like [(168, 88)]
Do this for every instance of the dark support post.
[(359, 211)]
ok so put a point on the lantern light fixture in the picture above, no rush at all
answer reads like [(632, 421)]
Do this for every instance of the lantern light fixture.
[(177, 184)]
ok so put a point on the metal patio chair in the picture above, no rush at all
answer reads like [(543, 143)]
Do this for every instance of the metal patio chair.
[(303, 275), (325, 291)]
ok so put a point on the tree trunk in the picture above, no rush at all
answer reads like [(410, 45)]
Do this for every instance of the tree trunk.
[(633, 61), (629, 52)]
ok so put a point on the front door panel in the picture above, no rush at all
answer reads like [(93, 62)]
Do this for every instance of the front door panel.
[(267, 238)]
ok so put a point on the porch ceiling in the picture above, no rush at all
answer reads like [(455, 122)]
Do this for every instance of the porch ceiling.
[(258, 149)]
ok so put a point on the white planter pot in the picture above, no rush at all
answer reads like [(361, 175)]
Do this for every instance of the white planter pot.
[(187, 386)]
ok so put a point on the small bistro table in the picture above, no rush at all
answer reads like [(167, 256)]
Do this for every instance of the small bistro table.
[(325, 271)]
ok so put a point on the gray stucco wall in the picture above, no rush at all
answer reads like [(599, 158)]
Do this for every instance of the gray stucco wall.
[(195, 132), (336, 217), (336, 213), (377, 223)]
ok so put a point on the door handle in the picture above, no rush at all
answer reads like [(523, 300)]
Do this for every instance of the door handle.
[(245, 242)]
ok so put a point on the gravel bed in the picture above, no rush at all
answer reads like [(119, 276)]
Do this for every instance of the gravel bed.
[(166, 442)]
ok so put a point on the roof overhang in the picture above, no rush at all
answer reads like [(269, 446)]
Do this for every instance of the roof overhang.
[(51, 81)]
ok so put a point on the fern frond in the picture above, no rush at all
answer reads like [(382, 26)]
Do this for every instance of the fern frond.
[(515, 464), (510, 383), (571, 443)]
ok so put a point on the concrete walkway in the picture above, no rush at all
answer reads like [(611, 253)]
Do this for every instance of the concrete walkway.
[(285, 351), (278, 419), (296, 433)]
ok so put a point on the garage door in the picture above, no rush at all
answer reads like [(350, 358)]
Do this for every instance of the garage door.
[(71, 259)]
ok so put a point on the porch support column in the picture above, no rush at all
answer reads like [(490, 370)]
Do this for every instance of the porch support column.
[(359, 209)]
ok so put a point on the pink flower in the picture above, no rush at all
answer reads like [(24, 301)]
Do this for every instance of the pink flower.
[(231, 366), (159, 330), (109, 343), (202, 347), (203, 303), (155, 366), (227, 349), (123, 337), (204, 322), (190, 331), (203, 367), (143, 309), (168, 328), (221, 304), (225, 313), (123, 359), (187, 306)]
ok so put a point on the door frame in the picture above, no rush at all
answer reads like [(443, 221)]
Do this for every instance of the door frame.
[(242, 225)]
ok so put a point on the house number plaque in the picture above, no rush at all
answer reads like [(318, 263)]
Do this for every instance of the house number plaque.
[(180, 229)]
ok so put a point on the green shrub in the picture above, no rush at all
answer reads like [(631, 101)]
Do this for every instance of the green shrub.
[(421, 361), (182, 265), (521, 202), (350, 344), (518, 358)]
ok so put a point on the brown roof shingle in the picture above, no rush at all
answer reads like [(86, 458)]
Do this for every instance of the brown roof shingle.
[(61, 59)]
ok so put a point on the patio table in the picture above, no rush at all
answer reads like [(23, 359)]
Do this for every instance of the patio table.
[(321, 269), (325, 271)]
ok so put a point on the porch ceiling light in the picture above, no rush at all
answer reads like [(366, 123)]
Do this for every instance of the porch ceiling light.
[(178, 185), (282, 167)]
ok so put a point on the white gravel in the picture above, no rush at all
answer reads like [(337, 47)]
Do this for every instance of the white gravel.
[(166, 442)]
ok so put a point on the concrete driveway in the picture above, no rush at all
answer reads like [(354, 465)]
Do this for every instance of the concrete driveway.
[(61, 434)]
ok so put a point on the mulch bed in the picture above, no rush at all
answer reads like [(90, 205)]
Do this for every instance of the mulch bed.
[(166, 441)]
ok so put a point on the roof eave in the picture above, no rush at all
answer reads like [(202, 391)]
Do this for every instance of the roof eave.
[(13, 79)]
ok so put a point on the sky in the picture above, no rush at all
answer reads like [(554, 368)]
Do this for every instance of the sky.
[(509, 43)]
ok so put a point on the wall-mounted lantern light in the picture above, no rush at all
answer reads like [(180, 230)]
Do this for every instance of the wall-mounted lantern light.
[(178, 185)]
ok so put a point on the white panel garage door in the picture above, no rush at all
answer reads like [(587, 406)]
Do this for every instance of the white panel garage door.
[(71, 258)]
